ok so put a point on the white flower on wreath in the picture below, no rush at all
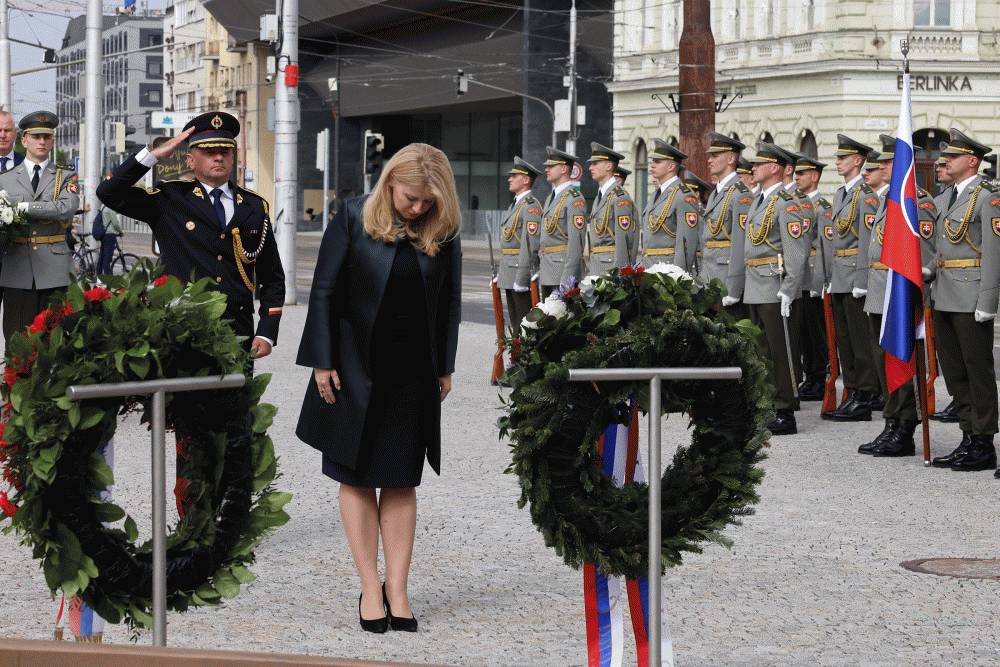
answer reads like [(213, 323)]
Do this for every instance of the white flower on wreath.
[(669, 270), (588, 290), (554, 306)]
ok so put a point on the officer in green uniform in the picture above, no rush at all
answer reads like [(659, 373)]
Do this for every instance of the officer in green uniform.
[(854, 209), (900, 411), (725, 216), (815, 360), (614, 232), (670, 221), (966, 283), (36, 266), (564, 225), (949, 414), (520, 232), (776, 251)]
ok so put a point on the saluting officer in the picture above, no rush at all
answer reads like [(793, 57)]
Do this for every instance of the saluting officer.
[(814, 353), (614, 234), (854, 209), (724, 230), (564, 225), (36, 266), (670, 221), (209, 227), (966, 277), (900, 411), (775, 255), (520, 232)]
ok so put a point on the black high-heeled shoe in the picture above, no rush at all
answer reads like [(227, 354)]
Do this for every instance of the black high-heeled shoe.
[(395, 622), (377, 625)]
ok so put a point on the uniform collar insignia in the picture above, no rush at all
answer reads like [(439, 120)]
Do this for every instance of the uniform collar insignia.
[(197, 192), (239, 199)]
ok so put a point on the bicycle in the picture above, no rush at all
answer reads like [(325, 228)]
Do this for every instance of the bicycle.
[(85, 258)]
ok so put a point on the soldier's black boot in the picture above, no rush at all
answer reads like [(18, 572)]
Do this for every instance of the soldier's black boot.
[(869, 447), (877, 403), (900, 441), (810, 390), (982, 455), (783, 424), (949, 415), (856, 410), (996, 475), (947, 460), (851, 393)]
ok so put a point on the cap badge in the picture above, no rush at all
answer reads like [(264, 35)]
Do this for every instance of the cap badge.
[(216, 121)]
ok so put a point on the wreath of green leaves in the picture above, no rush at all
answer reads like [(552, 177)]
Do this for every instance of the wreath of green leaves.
[(634, 318), (140, 327)]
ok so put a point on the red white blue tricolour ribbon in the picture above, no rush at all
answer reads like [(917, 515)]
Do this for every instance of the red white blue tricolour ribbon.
[(605, 597)]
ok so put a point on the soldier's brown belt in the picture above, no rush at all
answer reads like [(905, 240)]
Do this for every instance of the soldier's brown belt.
[(959, 263), (718, 244), (510, 251), (553, 248), (658, 251), (602, 248), (761, 261), (847, 252), (44, 240), (812, 252), (878, 266)]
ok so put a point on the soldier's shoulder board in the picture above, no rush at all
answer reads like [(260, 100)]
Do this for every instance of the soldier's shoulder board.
[(989, 186), (784, 194), (530, 199), (66, 167), (741, 186), (866, 188), (824, 203)]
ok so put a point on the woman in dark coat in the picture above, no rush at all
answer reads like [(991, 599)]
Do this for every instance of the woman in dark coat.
[(381, 336)]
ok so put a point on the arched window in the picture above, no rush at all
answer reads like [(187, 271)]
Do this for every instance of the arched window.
[(766, 137), (672, 140), (733, 135), (807, 144), (641, 175), (926, 149)]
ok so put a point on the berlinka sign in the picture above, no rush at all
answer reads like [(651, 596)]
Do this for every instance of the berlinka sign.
[(937, 82)]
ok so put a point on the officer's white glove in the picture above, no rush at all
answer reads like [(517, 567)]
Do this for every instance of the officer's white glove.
[(827, 289), (857, 292), (493, 281), (983, 317), (814, 294), (534, 277), (926, 273), (729, 301), (520, 288), (22, 207), (786, 304)]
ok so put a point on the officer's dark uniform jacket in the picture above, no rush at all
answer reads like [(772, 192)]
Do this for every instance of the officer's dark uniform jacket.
[(193, 243)]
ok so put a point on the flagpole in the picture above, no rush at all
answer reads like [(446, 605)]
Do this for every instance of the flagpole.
[(919, 379)]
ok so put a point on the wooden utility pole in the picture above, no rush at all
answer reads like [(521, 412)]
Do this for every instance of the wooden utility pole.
[(697, 83)]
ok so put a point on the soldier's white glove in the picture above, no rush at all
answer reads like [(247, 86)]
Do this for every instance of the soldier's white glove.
[(983, 317), (926, 273), (814, 294), (520, 288), (22, 207), (857, 292), (826, 289), (729, 301), (493, 281), (786, 304), (534, 277)]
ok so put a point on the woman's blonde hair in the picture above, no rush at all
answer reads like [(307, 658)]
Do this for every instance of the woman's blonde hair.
[(416, 165)]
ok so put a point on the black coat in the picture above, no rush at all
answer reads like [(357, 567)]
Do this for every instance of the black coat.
[(191, 241), (351, 274)]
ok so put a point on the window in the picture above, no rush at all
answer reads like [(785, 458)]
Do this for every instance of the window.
[(932, 12), (737, 20), (154, 67), (641, 175), (769, 27), (810, 14)]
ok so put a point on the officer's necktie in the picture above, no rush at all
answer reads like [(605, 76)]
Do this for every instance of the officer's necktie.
[(3, 164), (220, 210), (34, 179), (548, 200), (952, 198)]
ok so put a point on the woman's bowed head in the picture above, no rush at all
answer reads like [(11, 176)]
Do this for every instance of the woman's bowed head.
[(414, 197)]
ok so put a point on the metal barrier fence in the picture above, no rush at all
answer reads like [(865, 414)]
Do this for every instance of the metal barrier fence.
[(655, 377), (159, 389)]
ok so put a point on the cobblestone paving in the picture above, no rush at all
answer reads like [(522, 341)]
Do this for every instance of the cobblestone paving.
[(814, 577)]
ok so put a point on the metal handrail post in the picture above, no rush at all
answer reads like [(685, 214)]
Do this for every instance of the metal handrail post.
[(158, 444), (655, 377)]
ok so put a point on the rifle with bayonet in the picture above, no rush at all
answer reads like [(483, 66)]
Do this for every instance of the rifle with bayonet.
[(497, 371)]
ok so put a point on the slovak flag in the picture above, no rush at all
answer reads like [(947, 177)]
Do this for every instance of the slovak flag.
[(902, 321)]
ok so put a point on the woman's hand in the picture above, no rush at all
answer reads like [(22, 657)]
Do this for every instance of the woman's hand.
[(327, 380), (445, 383)]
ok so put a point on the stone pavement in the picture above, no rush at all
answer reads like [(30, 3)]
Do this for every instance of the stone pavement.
[(814, 577)]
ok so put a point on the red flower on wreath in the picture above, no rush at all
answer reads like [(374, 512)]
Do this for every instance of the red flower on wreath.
[(159, 281), (633, 270), (38, 324), (570, 293), (96, 294), (8, 507)]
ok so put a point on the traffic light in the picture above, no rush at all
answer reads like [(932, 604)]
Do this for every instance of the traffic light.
[(373, 153)]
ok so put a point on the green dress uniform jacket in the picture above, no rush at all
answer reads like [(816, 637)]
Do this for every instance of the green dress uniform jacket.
[(774, 227), (854, 214), (967, 265), (564, 233), (670, 227), (194, 243), (520, 232), (40, 260), (877, 271), (614, 232), (809, 229), (821, 254), (724, 230)]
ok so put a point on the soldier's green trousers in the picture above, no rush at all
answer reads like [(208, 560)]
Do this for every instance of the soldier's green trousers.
[(965, 348), (853, 346), (814, 357), (21, 305), (902, 403), (518, 305), (767, 317)]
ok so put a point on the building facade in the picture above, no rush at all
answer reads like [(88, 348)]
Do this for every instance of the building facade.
[(802, 72)]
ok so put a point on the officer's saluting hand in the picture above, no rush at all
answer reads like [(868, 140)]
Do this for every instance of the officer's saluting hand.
[(209, 226)]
